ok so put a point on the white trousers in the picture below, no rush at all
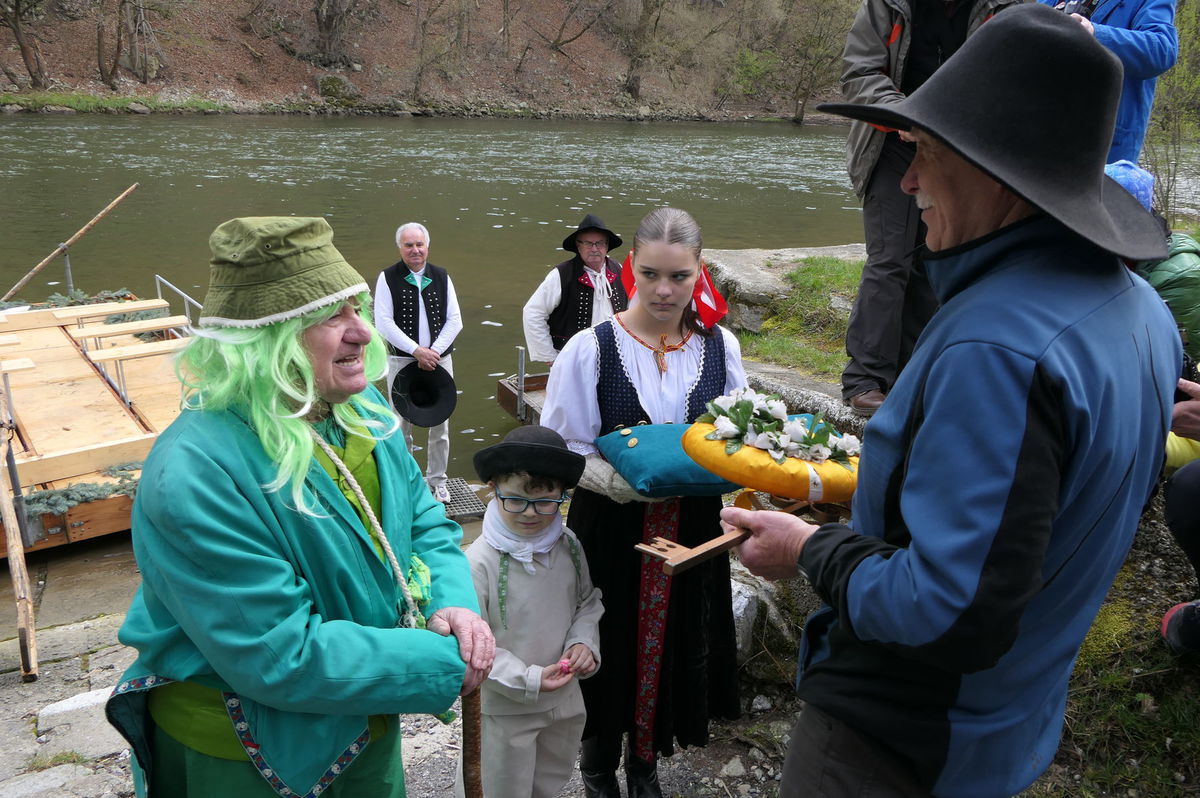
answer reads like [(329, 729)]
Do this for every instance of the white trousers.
[(437, 452), (532, 755)]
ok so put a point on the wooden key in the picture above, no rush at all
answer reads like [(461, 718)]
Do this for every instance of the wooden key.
[(677, 558)]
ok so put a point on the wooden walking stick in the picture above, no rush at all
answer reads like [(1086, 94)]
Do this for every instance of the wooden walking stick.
[(471, 745), (26, 628), (67, 244)]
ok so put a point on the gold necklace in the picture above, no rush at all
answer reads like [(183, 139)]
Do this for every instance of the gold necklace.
[(660, 351)]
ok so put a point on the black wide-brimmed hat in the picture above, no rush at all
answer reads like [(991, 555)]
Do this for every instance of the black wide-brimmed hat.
[(1031, 99), (591, 222), (538, 451), (426, 398)]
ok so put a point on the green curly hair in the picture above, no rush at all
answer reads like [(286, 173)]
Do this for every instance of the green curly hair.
[(266, 373)]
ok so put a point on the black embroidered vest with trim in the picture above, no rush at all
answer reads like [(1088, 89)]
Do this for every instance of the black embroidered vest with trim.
[(574, 310), (618, 399), (404, 303)]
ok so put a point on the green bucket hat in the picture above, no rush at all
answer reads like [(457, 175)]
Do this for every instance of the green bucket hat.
[(267, 269)]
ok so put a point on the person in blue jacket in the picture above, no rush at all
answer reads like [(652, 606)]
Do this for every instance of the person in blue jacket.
[(1142, 34), (1001, 483), (300, 585)]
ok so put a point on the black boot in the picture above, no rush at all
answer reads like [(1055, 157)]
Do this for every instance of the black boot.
[(641, 777), (598, 767)]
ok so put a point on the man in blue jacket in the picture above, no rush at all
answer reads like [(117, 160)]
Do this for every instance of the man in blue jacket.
[(1142, 34), (1002, 481)]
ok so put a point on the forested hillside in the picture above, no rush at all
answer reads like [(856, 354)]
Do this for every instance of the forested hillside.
[(704, 58)]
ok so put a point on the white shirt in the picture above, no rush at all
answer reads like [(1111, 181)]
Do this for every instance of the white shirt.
[(536, 315), (573, 410), (385, 320)]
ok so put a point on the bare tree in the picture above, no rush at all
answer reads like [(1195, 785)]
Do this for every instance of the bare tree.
[(561, 38), (643, 40), (429, 49), (333, 17), (810, 42), (108, 69), (14, 15)]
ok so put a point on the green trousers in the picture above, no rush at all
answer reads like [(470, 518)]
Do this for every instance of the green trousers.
[(182, 772)]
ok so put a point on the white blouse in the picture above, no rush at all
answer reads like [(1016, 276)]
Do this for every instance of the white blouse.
[(572, 409)]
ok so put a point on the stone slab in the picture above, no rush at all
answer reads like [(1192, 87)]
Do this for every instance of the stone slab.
[(78, 725), (66, 641), (42, 782)]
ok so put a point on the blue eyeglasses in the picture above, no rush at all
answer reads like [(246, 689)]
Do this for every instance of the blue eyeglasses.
[(517, 504)]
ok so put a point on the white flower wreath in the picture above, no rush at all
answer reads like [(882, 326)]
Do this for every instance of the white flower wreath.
[(745, 417)]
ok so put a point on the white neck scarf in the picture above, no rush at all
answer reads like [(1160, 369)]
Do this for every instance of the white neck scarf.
[(521, 548), (600, 281)]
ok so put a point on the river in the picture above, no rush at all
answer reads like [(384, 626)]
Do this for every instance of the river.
[(498, 196)]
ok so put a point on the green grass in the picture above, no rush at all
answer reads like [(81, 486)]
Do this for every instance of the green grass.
[(1132, 723), (804, 330), (91, 103), (41, 762)]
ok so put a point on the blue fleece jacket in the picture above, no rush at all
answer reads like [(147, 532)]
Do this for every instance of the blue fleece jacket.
[(1000, 488), (1142, 34)]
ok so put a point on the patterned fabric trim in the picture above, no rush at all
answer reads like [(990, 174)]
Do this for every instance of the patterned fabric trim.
[(233, 706), (502, 588), (143, 683), (710, 381), (654, 593)]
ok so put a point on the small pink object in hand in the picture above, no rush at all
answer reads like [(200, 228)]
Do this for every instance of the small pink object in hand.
[(564, 665)]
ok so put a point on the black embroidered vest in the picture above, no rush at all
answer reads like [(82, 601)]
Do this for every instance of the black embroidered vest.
[(574, 311), (404, 303), (617, 397)]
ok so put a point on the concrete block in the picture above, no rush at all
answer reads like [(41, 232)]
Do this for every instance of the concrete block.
[(42, 783)]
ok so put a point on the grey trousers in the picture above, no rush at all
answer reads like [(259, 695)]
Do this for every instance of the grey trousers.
[(894, 298), (828, 759)]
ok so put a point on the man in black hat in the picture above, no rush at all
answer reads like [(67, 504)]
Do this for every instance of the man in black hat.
[(893, 47), (1003, 479), (416, 311), (577, 293)]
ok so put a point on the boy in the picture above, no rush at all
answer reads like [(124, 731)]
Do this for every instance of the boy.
[(536, 594)]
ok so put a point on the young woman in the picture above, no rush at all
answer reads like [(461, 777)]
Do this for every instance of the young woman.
[(668, 643)]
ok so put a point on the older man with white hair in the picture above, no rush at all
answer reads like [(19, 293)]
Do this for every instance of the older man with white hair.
[(1002, 481), (416, 311)]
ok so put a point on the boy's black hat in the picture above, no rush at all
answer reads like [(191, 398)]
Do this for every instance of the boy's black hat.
[(539, 451)]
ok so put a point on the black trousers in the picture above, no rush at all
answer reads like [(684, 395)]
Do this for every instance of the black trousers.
[(828, 759), (894, 298), (1181, 509)]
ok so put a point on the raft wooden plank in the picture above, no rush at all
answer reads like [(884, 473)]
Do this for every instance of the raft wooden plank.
[(84, 460), (63, 403), (128, 327), (10, 340), (103, 517), (132, 352), (56, 317), (15, 365)]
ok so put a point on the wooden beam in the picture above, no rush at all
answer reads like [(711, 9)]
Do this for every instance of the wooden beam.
[(128, 327), (10, 340), (26, 624), (56, 317), (16, 364), (134, 351), (84, 460)]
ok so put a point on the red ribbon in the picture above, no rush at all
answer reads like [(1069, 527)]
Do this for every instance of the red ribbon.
[(707, 301)]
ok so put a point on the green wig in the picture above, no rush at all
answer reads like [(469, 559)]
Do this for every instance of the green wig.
[(265, 374)]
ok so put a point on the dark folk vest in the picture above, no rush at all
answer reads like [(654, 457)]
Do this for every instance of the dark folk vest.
[(404, 303), (574, 311), (617, 397)]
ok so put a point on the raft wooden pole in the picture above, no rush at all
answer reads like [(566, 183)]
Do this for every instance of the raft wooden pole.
[(67, 244), (26, 629), (471, 745)]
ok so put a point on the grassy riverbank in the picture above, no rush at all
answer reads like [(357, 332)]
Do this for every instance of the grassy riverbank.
[(85, 103)]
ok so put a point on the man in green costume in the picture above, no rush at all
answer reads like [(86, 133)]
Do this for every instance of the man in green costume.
[(301, 588)]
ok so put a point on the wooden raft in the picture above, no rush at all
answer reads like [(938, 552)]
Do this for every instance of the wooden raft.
[(71, 420)]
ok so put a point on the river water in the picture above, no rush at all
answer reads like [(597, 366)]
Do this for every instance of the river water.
[(497, 196)]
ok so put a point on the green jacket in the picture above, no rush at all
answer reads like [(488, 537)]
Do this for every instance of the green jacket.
[(1177, 281), (292, 616)]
